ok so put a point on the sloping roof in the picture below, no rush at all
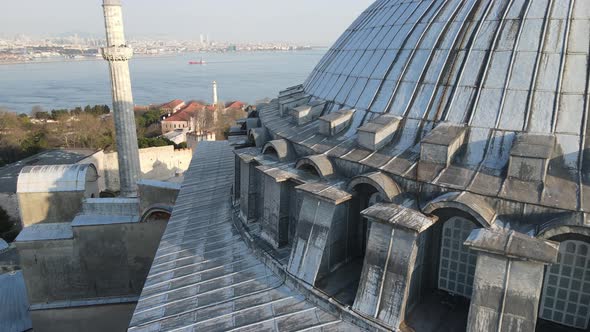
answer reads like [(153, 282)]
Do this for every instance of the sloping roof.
[(205, 277), (499, 68), (14, 305), (54, 178), (431, 61), (186, 113), (235, 104), (9, 173), (172, 104)]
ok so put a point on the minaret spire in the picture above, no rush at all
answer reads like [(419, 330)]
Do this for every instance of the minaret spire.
[(118, 54), (215, 93)]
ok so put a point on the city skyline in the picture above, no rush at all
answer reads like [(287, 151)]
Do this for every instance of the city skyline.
[(305, 21)]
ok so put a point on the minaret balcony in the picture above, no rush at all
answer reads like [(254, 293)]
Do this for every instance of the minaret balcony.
[(117, 53)]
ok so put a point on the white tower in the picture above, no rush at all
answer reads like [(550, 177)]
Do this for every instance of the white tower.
[(118, 54), (215, 101)]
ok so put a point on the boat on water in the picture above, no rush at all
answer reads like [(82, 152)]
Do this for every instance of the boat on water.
[(201, 62)]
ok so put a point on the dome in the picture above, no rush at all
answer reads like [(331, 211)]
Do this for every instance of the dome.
[(499, 69), (508, 65)]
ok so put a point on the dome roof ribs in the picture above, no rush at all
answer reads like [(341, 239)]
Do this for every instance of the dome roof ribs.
[(470, 63)]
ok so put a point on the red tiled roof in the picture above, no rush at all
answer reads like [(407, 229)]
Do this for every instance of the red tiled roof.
[(235, 104), (172, 104), (186, 113)]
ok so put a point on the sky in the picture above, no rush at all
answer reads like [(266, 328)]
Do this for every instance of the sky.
[(317, 22)]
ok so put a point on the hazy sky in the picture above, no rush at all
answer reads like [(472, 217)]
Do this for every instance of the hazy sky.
[(313, 21)]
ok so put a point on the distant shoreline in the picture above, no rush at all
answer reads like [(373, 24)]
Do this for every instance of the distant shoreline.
[(56, 60), (139, 56)]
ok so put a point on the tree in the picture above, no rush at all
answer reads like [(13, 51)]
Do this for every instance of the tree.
[(59, 114), (38, 113), (144, 142)]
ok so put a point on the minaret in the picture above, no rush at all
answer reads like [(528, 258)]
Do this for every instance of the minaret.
[(215, 93), (118, 54)]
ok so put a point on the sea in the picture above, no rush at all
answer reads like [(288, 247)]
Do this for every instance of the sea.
[(244, 76)]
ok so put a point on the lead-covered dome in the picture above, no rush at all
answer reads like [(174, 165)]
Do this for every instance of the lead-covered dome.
[(513, 65), (502, 84)]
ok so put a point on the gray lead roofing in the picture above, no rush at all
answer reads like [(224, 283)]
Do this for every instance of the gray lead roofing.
[(499, 67), (205, 277)]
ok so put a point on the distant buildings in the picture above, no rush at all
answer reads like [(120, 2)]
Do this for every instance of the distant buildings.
[(173, 106), (182, 119)]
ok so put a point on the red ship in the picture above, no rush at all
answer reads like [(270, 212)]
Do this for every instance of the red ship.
[(201, 62)]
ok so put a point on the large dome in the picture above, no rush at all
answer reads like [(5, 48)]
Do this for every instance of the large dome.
[(430, 131), (497, 68), (512, 65)]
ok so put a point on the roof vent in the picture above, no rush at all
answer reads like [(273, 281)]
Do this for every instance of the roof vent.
[(307, 113), (335, 122), (441, 144), (378, 132), (529, 157), (292, 101)]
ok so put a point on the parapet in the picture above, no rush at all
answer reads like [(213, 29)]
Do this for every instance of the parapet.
[(45, 232)]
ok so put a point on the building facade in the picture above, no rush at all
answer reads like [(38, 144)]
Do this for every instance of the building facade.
[(432, 169)]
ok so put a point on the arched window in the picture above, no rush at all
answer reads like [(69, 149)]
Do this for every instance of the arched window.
[(457, 262), (566, 289), (271, 152)]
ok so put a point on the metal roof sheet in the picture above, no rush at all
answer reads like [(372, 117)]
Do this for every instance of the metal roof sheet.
[(54, 178)]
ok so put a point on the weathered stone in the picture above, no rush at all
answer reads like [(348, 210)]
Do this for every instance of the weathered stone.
[(117, 53), (508, 280), (319, 163), (248, 190), (513, 244), (467, 202), (441, 144), (379, 132), (335, 122), (259, 136), (390, 261), (306, 113), (288, 103), (386, 186), (281, 148), (529, 157)]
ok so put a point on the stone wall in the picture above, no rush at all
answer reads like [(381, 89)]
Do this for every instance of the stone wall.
[(97, 263), (160, 163), (9, 202), (111, 317), (53, 207), (157, 194)]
